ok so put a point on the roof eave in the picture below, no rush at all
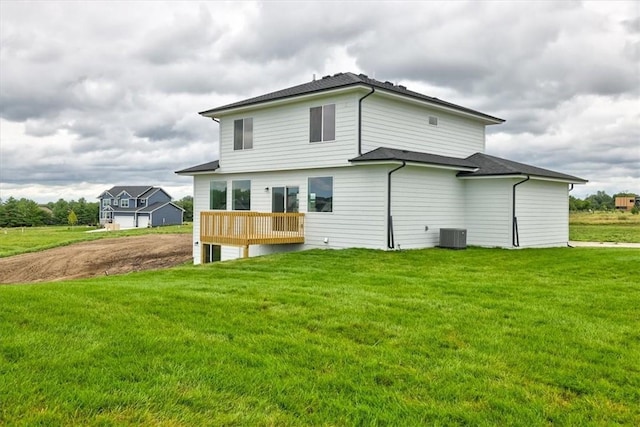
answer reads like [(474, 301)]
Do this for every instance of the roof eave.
[(222, 111), (192, 173), (435, 103), (568, 180), (459, 168)]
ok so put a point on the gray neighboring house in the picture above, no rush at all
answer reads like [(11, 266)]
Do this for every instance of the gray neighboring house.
[(133, 206)]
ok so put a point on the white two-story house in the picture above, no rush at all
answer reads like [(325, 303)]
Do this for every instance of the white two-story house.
[(349, 161)]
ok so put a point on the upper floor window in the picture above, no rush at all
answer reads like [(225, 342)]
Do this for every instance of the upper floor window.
[(124, 203), (433, 120), (106, 202), (241, 195), (243, 134), (321, 194), (322, 123), (218, 195)]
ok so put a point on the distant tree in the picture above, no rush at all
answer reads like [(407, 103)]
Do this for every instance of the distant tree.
[(87, 212), (601, 201), (9, 213), (186, 203), (27, 213), (72, 218), (576, 204), (60, 211)]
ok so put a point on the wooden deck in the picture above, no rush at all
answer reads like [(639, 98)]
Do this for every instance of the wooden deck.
[(244, 228)]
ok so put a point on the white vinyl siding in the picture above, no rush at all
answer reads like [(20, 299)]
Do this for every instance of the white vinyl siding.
[(488, 211), (357, 220), (389, 123), (425, 197), (281, 138), (542, 209), (201, 192)]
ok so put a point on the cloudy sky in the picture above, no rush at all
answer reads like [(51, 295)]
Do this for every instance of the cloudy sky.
[(95, 94)]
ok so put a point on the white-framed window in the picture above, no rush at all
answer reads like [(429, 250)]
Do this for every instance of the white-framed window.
[(106, 202), (243, 134), (241, 191), (322, 123), (320, 194), (124, 203)]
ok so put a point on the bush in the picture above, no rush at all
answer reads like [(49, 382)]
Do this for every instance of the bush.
[(635, 210)]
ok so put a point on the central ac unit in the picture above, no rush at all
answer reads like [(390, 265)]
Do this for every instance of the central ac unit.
[(453, 238)]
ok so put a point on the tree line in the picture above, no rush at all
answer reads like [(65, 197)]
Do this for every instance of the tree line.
[(600, 201), (27, 213)]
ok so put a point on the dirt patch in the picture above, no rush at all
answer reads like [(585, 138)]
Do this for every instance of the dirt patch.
[(98, 258)]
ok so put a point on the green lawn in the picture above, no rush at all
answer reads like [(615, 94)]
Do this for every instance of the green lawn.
[(14, 241), (604, 227), (353, 337)]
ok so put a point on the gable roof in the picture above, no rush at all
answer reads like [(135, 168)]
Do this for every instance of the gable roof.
[(205, 167), (133, 190), (343, 80), (155, 206), (496, 166), (383, 154)]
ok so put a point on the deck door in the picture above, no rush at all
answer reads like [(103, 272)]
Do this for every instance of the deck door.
[(285, 200)]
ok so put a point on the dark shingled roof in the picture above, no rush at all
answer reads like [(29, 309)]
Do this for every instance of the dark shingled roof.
[(158, 205), (496, 166), (205, 167), (342, 80), (132, 190), (386, 154), (484, 164)]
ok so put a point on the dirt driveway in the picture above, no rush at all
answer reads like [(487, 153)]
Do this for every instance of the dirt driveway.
[(98, 258)]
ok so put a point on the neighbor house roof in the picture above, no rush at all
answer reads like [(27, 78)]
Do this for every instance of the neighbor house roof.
[(205, 167), (133, 190), (496, 166), (384, 154), (145, 209), (343, 80), (158, 205)]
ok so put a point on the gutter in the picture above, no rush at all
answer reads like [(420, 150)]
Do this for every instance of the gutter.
[(373, 89), (515, 238), (390, 240)]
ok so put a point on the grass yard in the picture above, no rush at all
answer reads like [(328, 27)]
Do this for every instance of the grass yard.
[(604, 227), (353, 337), (14, 241)]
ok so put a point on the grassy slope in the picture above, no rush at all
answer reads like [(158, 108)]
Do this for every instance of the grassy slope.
[(604, 227), (14, 241), (481, 336)]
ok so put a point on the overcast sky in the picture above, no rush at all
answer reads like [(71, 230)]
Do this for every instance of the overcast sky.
[(99, 94)]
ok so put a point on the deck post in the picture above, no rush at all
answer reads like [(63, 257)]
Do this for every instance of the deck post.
[(245, 251)]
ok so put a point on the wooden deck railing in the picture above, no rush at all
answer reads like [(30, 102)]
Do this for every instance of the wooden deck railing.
[(244, 228)]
